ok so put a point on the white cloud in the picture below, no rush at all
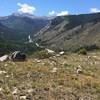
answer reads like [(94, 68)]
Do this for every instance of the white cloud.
[(52, 13), (63, 13), (94, 10), (25, 8)]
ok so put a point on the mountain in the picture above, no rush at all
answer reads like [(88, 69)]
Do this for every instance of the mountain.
[(8, 34), (15, 30), (25, 24), (68, 33), (71, 32), (11, 41)]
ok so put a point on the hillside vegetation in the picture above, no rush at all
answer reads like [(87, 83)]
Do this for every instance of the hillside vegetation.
[(72, 32)]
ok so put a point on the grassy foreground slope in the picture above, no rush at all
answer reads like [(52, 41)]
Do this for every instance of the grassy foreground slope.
[(36, 79)]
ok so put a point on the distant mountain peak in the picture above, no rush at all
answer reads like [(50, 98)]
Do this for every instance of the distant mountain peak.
[(18, 14)]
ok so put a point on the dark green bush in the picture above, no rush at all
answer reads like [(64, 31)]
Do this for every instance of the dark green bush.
[(91, 47), (82, 51)]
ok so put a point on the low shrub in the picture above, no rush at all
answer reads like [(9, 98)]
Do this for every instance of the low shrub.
[(82, 51), (43, 54)]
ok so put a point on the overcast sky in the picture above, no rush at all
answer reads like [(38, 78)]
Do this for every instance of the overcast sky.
[(49, 7)]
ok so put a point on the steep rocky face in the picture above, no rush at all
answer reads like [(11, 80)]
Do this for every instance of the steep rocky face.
[(72, 32)]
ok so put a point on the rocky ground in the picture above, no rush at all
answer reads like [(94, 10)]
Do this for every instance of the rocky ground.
[(55, 78)]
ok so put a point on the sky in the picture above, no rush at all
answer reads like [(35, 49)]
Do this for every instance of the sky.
[(49, 7)]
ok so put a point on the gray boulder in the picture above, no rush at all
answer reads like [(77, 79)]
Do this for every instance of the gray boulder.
[(4, 58), (18, 56)]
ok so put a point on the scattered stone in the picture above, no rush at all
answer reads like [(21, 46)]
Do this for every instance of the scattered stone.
[(18, 56), (89, 57), (54, 70), (7, 76), (50, 51), (38, 61), (23, 97), (15, 91), (1, 89), (29, 97), (61, 53), (3, 72), (4, 58), (28, 74), (78, 70), (57, 55), (30, 90), (6, 65), (95, 56)]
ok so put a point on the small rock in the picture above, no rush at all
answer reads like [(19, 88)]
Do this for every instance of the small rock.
[(38, 61), (23, 97), (61, 53), (57, 55), (3, 72), (79, 70), (15, 91), (50, 51), (1, 89), (54, 70), (4, 58), (30, 91), (6, 65), (7, 76)]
